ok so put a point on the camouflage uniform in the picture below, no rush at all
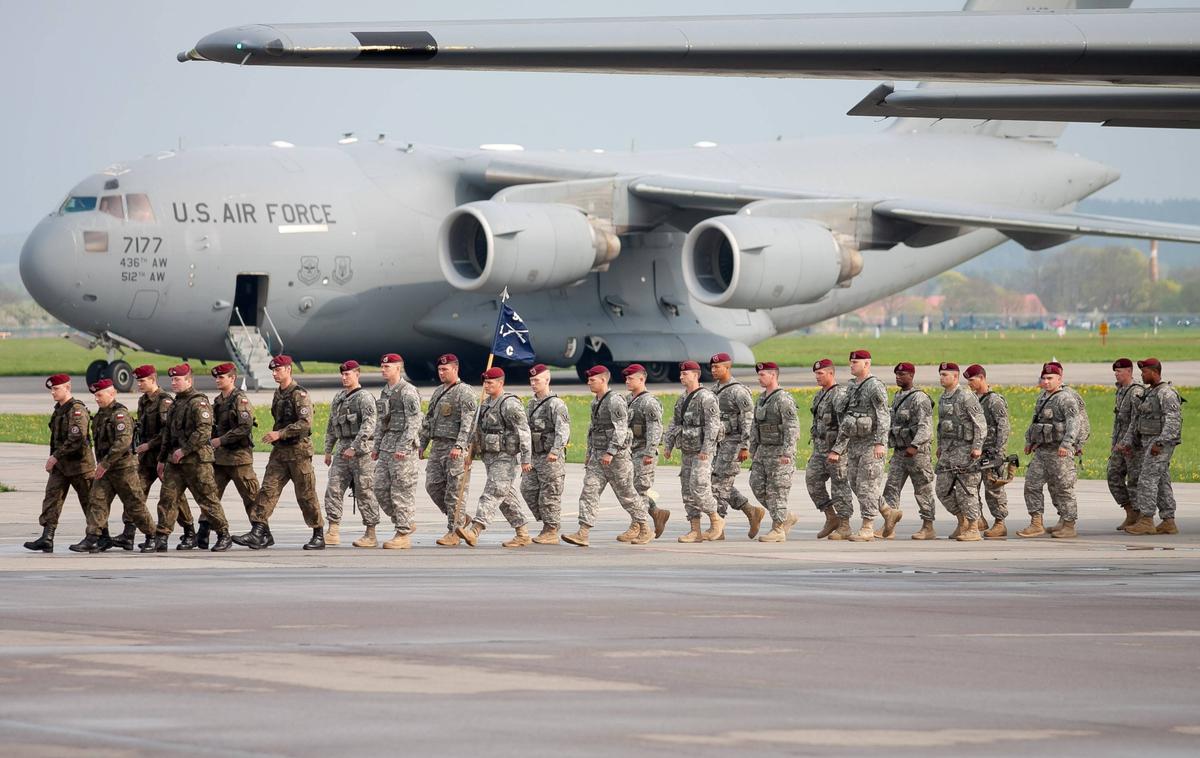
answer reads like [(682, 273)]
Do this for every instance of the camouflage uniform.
[(912, 426), (1157, 420), (503, 440), (820, 469), (449, 423), (609, 433), (113, 427), (736, 406), (188, 428), (645, 435), (70, 444), (542, 486), (151, 419), (233, 461), (961, 429), (351, 427), (398, 413), (863, 424), (696, 428), (1123, 469), (291, 458), (1055, 425), (773, 434), (995, 447)]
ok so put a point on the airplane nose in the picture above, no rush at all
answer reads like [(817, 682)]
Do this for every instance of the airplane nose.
[(48, 264), (236, 45)]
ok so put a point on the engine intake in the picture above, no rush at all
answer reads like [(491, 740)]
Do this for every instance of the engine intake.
[(488, 245), (755, 262)]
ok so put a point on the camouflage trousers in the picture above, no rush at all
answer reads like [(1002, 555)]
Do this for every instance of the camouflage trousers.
[(500, 491), (197, 478), (148, 472), (57, 487), (245, 481), (1154, 490), (396, 488), (1123, 475), (619, 476), (643, 479), (958, 480), (282, 467), (771, 481), (917, 468), (725, 468), (126, 484), (997, 499), (820, 470), (542, 489), (444, 477), (1058, 475), (357, 473), (695, 480), (865, 474)]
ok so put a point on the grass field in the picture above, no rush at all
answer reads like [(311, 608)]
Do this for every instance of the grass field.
[(1185, 466), (5, 488)]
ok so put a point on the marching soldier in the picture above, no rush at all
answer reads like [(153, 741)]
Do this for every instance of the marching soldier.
[(71, 462), (773, 434), (543, 477), (645, 433), (834, 502), (232, 443), (398, 411), (349, 440), (116, 474), (961, 432), (502, 437), (1157, 429), (995, 448), (696, 430), (185, 462), (290, 460), (1123, 469), (911, 440), (153, 406), (862, 432), (448, 424), (609, 463), (1052, 437), (737, 412)]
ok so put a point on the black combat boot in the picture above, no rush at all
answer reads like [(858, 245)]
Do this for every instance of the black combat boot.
[(89, 544), (188, 540), (149, 545), (202, 532), (124, 540), (224, 541), (244, 539), (255, 539), (270, 537), (105, 542), (317, 542), (160, 543), (45, 543)]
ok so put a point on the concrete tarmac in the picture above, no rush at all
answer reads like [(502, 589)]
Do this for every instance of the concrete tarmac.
[(1079, 647)]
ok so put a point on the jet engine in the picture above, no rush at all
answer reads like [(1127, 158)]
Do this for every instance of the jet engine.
[(488, 245), (762, 262)]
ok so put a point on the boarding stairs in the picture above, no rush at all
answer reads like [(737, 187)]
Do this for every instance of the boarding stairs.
[(251, 349)]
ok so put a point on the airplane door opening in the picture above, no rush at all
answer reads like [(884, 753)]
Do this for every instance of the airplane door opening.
[(249, 300)]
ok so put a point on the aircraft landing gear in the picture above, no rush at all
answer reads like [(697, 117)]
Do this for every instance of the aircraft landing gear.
[(119, 371)]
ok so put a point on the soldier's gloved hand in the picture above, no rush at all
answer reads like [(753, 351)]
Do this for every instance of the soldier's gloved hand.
[(142, 448), (348, 453), (606, 459), (50, 463), (215, 442), (743, 455), (100, 472), (1064, 453), (880, 451), (328, 459), (177, 456), (1155, 449), (910, 451), (526, 467)]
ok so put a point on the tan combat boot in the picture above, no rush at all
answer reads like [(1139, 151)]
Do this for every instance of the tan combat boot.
[(661, 516), (755, 515), (1035, 528), (1131, 515), (1066, 531), (1167, 527), (926, 532), (367, 540), (891, 517), (628, 534), (981, 524), (789, 522), (644, 535), (831, 523), (520, 539), (470, 533), (962, 523), (579, 538), (548, 535), (970, 532), (716, 529), (775, 535), (1052, 529), (842, 530), (998, 531), (1142, 527), (333, 533), (865, 533), (694, 535), (399, 542), (449, 539)]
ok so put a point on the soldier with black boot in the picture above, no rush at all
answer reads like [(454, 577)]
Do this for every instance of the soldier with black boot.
[(70, 464)]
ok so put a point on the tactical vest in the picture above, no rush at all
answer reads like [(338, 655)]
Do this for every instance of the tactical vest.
[(541, 424), (1050, 419), (445, 413), (988, 402), (953, 421), (1128, 398), (496, 434), (600, 432), (902, 432), (637, 418), (768, 421), (859, 411), (731, 415), (150, 420), (225, 418), (285, 409), (61, 423), (691, 422), (1150, 415), (825, 417), (181, 424), (108, 436), (389, 410), (346, 416)]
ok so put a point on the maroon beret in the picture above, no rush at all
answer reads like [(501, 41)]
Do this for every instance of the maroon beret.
[(495, 372), (391, 358), (766, 366), (1150, 363), (1052, 368), (634, 368), (1122, 363), (447, 359), (57, 379), (538, 369), (689, 366), (823, 363), (100, 384), (182, 369), (280, 360), (348, 366), (860, 355), (141, 372), (596, 370), (974, 370), (904, 368), (720, 358), (948, 366), (224, 369)]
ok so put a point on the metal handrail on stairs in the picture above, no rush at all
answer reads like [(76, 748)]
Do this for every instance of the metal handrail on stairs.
[(279, 339), (249, 359)]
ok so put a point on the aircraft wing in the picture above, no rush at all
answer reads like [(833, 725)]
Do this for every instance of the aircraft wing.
[(1129, 47)]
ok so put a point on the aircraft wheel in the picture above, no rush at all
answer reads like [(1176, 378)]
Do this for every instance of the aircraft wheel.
[(657, 372), (121, 374), (96, 370)]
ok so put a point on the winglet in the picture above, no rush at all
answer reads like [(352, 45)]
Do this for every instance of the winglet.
[(872, 104)]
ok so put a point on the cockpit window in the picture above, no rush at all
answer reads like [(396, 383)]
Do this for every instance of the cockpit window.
[(78, 204), (112, 205), (139, 208)]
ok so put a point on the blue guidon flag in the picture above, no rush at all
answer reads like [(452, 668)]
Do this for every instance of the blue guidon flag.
[(511, 341)]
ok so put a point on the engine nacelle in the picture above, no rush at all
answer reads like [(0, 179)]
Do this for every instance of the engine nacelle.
[(762, 262), (488, 245)]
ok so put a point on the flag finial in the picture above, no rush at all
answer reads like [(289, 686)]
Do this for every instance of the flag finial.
[(504, 295)]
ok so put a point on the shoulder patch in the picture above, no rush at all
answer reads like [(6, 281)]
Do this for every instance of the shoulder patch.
[(245, 415), (76, 412), (301, 393), (245, 400), (204, 414), (167, 401), (74, 430), (304, 411), (120, 427)]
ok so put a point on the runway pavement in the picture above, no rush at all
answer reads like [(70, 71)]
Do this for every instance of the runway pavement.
[(1080, 647)]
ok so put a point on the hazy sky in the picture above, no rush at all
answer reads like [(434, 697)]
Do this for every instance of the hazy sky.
[(89, 84)]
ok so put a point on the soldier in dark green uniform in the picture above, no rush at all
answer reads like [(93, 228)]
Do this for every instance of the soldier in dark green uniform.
[(153, 406), (291, 460), (232, 443), (116, 474), (70, 464)]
